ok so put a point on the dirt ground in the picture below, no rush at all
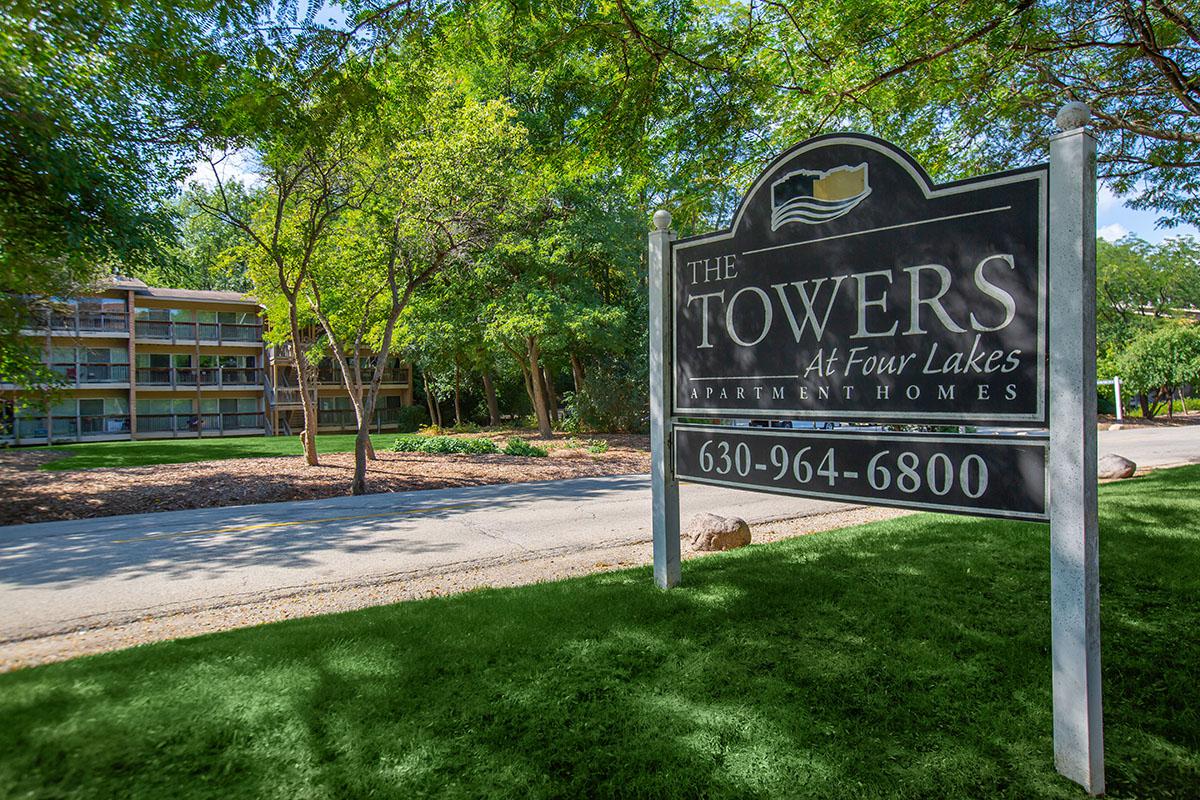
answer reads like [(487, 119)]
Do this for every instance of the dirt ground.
[(29, 494)]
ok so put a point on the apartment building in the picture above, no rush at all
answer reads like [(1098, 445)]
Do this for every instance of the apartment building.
[(143, 362)]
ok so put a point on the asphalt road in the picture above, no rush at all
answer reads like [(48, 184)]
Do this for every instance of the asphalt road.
[(62, 576)]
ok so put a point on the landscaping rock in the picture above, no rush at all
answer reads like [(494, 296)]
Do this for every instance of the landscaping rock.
[(1111, 465), (711, 532)]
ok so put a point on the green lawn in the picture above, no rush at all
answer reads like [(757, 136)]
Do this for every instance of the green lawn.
[(181, 451), (905, 659)]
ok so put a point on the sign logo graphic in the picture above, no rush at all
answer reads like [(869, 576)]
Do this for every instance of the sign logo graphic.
[(812, 196)]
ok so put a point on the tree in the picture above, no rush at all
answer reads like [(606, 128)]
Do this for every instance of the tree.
[(205, 252), (102, 105), (304, 192), (432, 197), (964, 86), (1160, 361)]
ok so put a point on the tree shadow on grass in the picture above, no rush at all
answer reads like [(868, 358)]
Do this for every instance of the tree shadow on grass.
[(903, 659)]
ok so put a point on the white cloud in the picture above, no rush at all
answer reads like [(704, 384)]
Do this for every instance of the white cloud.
[(1112, 232), (1105, 199)]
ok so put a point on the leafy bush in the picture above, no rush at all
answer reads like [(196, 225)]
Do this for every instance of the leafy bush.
[(466, 427), (1158, 362), (411, 418), (597, 446), (444, 445), (615, 399), (520, 447)]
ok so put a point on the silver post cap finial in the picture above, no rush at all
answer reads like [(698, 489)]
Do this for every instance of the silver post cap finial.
[(662, 219), (1072, 115)]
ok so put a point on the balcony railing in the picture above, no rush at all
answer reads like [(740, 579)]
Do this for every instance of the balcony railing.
[(345, 418), (286, 396), (204, 376), (116, 322), (72, 427), (79, 374), (198, 331), (392, 376), (191, 423)]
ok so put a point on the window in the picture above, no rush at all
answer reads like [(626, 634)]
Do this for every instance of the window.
[(104, 355), (182, 315), (238, 317), (91, 407), (180, 361), (101, 304), (154, 360), (152, 314)]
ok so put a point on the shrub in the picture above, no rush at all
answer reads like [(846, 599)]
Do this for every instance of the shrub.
[(410, 418), (520, 447), (444, 445), (466, 427), (597, 446), (615, 398)]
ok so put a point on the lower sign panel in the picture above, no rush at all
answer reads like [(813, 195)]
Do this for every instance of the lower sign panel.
[(981, 475)]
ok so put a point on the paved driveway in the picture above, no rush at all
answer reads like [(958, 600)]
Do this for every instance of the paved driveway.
[(62, 576)]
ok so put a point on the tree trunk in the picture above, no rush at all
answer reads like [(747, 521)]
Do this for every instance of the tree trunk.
[(361, 444), (489, 392), (1144, 404), (429, 400), (540, 407), (577, 373), (457, 400), (307, 402), (551, 393)]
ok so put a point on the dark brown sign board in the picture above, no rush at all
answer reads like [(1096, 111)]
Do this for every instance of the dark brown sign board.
[(988, 476), (852, 287)]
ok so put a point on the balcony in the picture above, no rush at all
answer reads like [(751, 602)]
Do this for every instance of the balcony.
[(214, 377), (74, 427), (202, 423), (393, 376), (229, 332), (114, 323), (83, 374), (344, 418)]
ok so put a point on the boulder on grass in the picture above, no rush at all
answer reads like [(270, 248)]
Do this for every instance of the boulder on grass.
[(711, 532), (1111, 465)]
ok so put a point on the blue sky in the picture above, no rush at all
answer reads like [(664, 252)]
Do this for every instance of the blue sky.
[(1114, 219)]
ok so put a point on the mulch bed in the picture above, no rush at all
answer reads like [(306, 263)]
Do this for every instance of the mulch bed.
[(29, 494)]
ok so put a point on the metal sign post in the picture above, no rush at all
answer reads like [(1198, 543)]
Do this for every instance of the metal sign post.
[(664, 489), (1074, 527)]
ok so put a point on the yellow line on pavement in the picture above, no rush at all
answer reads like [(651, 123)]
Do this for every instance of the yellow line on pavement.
[(292, 522)]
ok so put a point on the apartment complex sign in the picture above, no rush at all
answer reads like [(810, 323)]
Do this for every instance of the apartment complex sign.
[(851, 287)]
